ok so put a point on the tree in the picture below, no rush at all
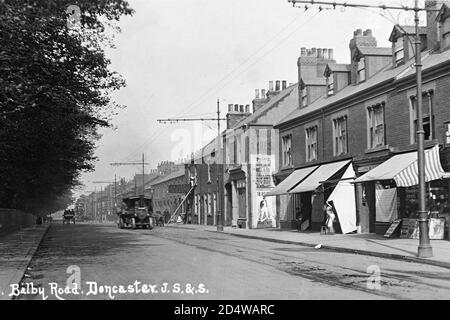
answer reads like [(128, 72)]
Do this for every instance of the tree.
[(55, 93)]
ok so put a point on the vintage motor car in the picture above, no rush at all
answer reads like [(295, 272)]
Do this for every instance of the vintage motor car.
[(136, 212), (68, 216)]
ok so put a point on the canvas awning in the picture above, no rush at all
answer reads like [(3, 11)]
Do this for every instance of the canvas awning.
[(323, 173), (291, 181), (403, 169)]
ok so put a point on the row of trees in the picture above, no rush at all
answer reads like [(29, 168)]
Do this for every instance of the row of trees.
[(55, 93)]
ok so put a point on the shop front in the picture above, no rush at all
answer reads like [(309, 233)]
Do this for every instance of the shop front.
[(391, 190), (288, 205), (306, 191), (328, 183)]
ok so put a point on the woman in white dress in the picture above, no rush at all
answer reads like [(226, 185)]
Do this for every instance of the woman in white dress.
[(331, 217)]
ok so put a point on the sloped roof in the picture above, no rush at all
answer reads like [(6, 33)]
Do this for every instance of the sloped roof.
[(374, 51), (314, 82), (385, 74), (262, 110), (208, 149), (401, 30), (338, 67), (444, 13), (170, 176)]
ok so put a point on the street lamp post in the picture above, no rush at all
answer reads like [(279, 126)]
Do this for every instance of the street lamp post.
[(219, 215), (424, 250)]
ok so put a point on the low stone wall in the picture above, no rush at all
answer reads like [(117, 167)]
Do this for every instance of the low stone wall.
[(12, 220)]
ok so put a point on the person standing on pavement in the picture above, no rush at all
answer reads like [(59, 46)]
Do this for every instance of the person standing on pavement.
[(330, 217)]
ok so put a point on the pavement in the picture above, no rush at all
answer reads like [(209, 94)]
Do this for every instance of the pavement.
[(365, 244), (16, 251), (184, 257)]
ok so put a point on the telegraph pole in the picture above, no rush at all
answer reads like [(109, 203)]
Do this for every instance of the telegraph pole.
[(219, 216), (424, 249), (219, 220), (143, 164), (115, 188)]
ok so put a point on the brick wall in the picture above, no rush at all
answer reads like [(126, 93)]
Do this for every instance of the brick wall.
[(203, 189), (397, 124), (13, 220), (165, 202)]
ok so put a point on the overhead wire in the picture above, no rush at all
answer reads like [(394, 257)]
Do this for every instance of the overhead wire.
[(215, 88)]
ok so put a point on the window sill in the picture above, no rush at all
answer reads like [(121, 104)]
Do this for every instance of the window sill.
[(377, 149), (341, 155), (426, 143)]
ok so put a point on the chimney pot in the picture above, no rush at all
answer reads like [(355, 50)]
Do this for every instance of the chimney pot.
[(277, 85), (303, 52), (257, 94), (284, 85), (230, 107), (263, 93), (247, 108), (358, 32), (314, 52), (270, 85), (368, 33), (325, 53), (319, 53), (330, 54), (236, 107), (241, 108)]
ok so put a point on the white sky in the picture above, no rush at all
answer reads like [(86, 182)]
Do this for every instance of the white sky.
[(179, 56)]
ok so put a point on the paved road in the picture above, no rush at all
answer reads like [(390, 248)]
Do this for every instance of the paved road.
[(206, 265)]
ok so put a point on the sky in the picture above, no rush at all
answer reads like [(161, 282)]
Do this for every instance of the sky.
[(179, 57)]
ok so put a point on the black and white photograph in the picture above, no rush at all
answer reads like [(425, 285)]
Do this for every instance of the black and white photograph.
[(224, 156)]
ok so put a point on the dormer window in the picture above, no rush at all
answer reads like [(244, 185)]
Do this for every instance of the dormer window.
[(362, 70), (330, 85), (399, 52), (304, 98)]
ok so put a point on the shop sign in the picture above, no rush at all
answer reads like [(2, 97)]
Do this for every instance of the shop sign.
[(410, 229), (263, 166), (179, 188), (394, 226)]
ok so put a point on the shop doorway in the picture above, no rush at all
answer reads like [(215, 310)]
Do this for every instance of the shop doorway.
[(242, 199), (305, 211), (228, 204)]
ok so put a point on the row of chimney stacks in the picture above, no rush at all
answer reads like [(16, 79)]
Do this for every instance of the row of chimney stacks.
[(326, 54), (274, 86), (238, 108)]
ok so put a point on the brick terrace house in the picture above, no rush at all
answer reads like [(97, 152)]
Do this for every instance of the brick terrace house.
[(168, 193), (364, 117), (250, 156), (203, 170)]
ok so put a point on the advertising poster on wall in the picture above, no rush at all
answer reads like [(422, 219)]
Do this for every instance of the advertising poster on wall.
[(264, 208)]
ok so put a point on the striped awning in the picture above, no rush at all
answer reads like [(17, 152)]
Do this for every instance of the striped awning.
[(433, 170), (403, 169)]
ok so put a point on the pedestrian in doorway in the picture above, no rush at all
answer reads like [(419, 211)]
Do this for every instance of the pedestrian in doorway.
[(329, 211)]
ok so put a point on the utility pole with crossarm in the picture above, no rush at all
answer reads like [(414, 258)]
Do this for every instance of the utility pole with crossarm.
[(136, 163), (219, 216)]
